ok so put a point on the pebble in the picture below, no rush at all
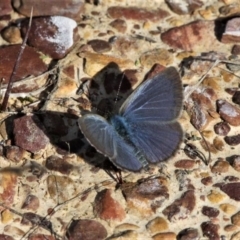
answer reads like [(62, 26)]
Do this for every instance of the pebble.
[(236, 162), (158, 55), (232, 190), (99, 46), (185, 164), (68, 8), (236, 236), (54, 36), (157, 225), (86, 229), (232, 140), (138, 14), (186, 7), (210, 230), (215, 197), (188, 234), (181, 207), (189, 37), (236, 97), (29, 134), (6, 216), (222, 128), (228, 208), (6, 7), (220, 166), (207, 181), (31, 203), (120, 25), (218, 144), (232, 31), (6, 237), (39, 236), (58, 164), (228, 112), (12, 35), (14, 153), (107, 208), (210, 211), (236, 219), (165, 236), (236, 50), (125, 235)]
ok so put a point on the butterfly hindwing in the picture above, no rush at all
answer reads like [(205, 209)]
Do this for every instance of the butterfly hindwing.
[(105, 139)]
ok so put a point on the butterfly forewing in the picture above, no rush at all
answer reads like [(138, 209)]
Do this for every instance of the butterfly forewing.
[(105, 139), (157, 99)]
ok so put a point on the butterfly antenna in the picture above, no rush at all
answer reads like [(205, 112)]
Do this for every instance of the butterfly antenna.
[(119, 87)]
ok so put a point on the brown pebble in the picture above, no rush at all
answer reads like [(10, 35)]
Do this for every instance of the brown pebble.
[(188, 234), (231, 33), (210, 211), (107, 208), (14, 153), (236, 97), (236, 50), (210, 230), (232, 140), (220, 166), (12, 35), (120, 25), (165, 236), (236, 162), (100, 46), (236, 219), (185, 164), (222, 128), (31, 203), (228, 112), (218, 144), (6, 237), (156, 225), (232, 190), (207, 181), (135, 13)]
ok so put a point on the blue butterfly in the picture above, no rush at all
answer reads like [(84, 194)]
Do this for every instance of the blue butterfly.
[(146, 129)]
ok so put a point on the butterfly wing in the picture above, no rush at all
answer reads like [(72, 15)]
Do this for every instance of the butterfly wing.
[(156, 140), (157, 99), (105, 139)]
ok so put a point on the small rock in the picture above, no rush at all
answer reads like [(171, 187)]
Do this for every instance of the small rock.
[(120, 25), (54, 36), (29, 133), (159, 55), (186, 7), (68, 8), (55, 163), (222, 128), (235, 236), (236, 162), (31, 203), (215, 197), (100, 46), (125, 235), (40, 236), (185, 164), (156, 225), (165, 236), (218, 144), (86, 230), (125, 226), (207, 181), (236, 50), (135, 13), (228, 208), (232, 31), (189, 37), (31, 63), (188, 234), (5, 7), (232, 190), (210, 211), (6, 216), (14, 153), (210, 230), (6, 237), (220, 166), (236, 219), (232, 178), (181, 207), (12, 35), (108, 208), (236, 97), (228, 112), (232, 140), (141, 196)]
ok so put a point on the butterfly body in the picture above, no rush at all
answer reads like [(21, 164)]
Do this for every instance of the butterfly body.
[(146, 129)]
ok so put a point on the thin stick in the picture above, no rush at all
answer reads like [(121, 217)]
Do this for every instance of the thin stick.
[(10, 83)]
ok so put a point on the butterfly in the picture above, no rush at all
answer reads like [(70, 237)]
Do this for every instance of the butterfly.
[(146, 129)]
